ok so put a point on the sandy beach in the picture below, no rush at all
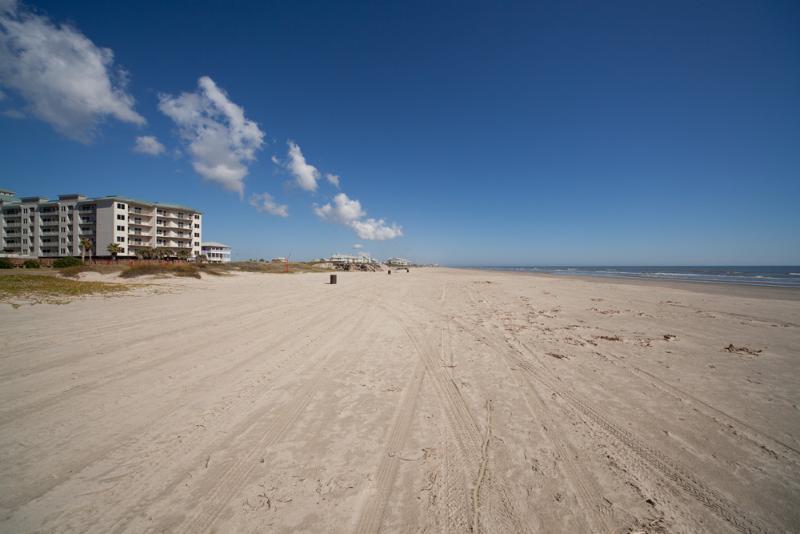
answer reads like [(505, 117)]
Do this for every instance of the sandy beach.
[(438, 400)]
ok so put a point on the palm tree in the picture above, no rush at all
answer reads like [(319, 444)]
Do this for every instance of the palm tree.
[(114, 249), (163, 253), (86, 246), (183, 253)]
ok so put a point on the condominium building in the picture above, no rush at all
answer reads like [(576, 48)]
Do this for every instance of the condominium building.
[(398, 262), (361, 259), (39, 227), (216, 252)]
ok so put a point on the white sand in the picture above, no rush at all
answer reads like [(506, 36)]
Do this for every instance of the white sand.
[(435, 401)]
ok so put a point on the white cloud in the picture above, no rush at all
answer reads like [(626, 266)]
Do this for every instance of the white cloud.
[(305, 174), (66, 80), (219, 138), (343, 210), (376, 229), (348, 212), (358, 245), (148, 144), (333, 179), (265, 203)]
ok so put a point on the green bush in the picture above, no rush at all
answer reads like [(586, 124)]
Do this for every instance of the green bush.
[(5, 263), (69, 261), (31, 264)]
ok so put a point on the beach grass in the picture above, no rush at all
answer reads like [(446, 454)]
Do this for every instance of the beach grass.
[(158, 269), (269, 267), (74, 270), (37, 288)]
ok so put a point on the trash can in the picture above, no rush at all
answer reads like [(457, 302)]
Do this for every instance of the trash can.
[(333, 279)]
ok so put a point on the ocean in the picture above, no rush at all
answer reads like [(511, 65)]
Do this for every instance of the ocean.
[(778, 276)]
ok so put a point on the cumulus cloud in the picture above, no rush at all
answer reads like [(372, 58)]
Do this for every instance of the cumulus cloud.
[(358, 245), (348, 212), (343, 210), (305, 174), (376, 229), (333, 179), (220, 140), (148, 144), (266, 204), (65, 79)]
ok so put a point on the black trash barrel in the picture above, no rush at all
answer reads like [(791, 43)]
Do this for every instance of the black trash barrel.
[(333, 279)]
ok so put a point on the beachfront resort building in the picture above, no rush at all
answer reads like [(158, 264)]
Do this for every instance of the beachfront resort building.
[(37, 227), (398, 262), (362, 259), (216, 252)]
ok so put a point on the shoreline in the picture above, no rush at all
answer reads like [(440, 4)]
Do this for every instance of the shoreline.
[(713, 288)]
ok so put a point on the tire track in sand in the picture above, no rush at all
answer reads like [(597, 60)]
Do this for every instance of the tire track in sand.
[(372, 514), (467, 435), (656, 460), (575, 474), (708, 497), (232, 480)]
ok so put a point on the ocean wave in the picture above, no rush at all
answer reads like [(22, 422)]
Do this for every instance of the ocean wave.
[(766, 276)]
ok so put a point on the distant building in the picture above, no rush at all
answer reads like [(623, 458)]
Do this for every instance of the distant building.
[(351, 259), (279, 259), (216, 252), (398, 262), (41, 228)]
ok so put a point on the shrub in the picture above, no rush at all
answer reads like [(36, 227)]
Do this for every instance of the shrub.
[(31, 264), (69, 261), (5, 263), (156, 269)]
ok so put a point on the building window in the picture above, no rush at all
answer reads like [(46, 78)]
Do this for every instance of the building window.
[(197, 226), (196, 244), (122, 250), (120, 217), (120, 206), (120, 228), (196, 234), (120, 239), (196, 216)]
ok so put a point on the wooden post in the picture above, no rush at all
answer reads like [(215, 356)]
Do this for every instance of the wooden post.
[(333, 279)]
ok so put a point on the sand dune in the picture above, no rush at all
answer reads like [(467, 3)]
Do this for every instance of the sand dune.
[(436, 401)]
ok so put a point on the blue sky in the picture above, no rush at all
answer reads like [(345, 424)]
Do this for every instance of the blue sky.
[(468, 133)]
